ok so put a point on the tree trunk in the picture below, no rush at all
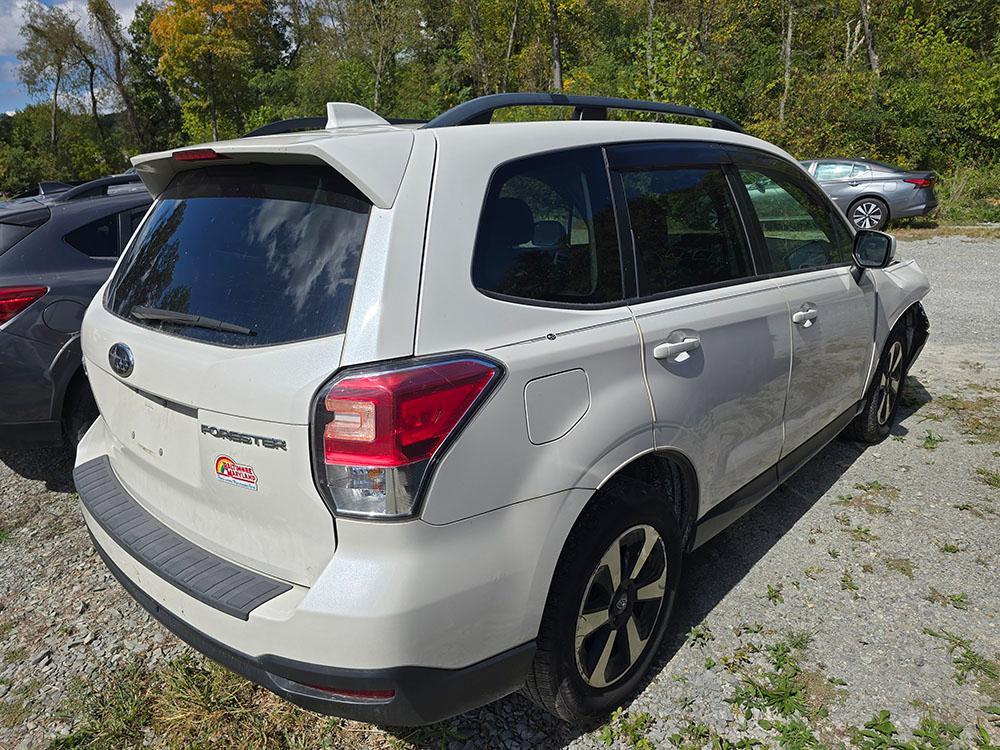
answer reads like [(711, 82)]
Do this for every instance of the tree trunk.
[(93, 102), (869, 38), (786, 53), (55, 104), (557, 77), (510, 45), (211, 99), (650, 17)]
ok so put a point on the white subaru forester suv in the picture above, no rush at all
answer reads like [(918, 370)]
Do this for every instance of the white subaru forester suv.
[(396, 420)]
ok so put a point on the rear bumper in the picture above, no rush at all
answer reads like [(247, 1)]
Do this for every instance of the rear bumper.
[(420, 695), (917, 209)]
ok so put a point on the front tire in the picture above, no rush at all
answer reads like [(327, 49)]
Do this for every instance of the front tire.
[(609, 604), (874, 422), (869, 213)]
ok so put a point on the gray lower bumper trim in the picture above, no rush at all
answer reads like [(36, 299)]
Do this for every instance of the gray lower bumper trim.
[(195, 571)]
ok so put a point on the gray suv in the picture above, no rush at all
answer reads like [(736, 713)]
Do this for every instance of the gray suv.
[(56, 249), (872, 194)]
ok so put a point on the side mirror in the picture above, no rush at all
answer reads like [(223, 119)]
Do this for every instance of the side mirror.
[(873, 249)]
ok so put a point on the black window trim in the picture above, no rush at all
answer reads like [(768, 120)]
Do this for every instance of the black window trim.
[(724, 165), (732, 156)]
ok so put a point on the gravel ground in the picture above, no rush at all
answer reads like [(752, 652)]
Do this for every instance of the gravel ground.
[(835, 599)]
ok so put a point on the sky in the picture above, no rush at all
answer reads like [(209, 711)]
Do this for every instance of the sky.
[(12, 93)]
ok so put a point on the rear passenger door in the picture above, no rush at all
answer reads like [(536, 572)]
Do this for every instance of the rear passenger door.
[(715, 337), (807, 250)]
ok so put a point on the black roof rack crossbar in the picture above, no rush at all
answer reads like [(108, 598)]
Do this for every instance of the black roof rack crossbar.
[(480, 111), (97, 187)]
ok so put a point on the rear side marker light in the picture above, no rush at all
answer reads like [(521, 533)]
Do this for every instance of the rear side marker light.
[(198, 154), (920, 182), (14, 299), (377, 431)]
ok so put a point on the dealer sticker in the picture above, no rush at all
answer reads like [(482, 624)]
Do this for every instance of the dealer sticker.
[(230, 472)]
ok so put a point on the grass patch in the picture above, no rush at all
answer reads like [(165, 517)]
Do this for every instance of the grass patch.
[(628, 729), (931, 441), (873, 498), (989, 478), (847, 582), (958, 601), (901, 565), (967, 662), (774, 594), (950, 548), (16, 707), (13, 655), (191, 702), (977, 417)]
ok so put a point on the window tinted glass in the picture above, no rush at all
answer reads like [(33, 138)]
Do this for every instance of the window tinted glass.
[(859, 170), (827, 170), (799, 228), (98, 239), (685, 228), (548, 231), (271, 248)]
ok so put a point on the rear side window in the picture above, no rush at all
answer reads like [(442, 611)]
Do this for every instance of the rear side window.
[(799, 229), (829, 170), (685, 229), (548, 233), (98, 239), (270, 250)]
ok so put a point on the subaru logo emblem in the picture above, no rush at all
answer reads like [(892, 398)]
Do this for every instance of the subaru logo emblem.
[(121, 359)]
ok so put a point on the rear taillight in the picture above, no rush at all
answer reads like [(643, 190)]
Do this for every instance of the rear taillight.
[(920, 182), (378, 431), (13, 299)]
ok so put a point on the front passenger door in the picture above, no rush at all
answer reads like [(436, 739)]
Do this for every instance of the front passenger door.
[(808, 248)]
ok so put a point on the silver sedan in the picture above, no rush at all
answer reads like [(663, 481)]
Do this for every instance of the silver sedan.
[(871, 193)]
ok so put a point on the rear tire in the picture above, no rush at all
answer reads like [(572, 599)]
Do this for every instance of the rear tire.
[(869, 213), (602, 628), (874, 422), (80, 412)]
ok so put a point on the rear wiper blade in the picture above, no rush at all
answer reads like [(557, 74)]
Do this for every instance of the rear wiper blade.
[(197, 321)]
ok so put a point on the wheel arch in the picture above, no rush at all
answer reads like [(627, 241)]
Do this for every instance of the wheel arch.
[(877, 196)]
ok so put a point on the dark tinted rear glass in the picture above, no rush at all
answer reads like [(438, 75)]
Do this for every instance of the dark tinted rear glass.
[(98, 239), (271, 248), (548, 232)]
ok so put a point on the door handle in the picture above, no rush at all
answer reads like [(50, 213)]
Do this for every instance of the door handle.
[(854, 183), (805, 316), (672, 348)]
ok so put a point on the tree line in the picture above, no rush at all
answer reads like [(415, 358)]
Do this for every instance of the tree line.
[(914, 82)]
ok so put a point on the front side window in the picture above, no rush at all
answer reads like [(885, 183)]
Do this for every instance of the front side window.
[(799, 229), (685, 229), (269, 251), (831, 170), (548, 233)]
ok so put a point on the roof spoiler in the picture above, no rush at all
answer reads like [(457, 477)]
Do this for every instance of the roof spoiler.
[(98, 187), (338, 115)]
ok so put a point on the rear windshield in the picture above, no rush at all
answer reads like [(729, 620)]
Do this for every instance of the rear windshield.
[(270, 252)]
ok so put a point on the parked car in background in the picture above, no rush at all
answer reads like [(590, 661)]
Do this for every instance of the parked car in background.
[(872, 194), (56, 249), (395, 421)]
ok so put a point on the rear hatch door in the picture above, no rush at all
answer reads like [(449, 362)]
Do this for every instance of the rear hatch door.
[(223, 319)]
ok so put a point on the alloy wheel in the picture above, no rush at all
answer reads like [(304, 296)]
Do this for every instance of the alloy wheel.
[(889, 382), (867, 215), (621, 605)]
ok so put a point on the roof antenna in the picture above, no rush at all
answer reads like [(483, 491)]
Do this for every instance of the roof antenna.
[(348, 115)]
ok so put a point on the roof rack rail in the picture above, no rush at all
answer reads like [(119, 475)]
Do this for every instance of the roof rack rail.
[(480, 111), (97, 187)]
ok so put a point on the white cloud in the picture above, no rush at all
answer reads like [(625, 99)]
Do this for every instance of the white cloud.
[(12, 16)]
